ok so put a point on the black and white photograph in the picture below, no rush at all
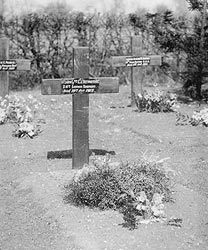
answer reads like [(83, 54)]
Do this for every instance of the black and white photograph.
[(103, 125)]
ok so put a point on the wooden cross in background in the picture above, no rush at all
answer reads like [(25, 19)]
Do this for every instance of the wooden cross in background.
[(6, 64), (80, 86), (135, 61)]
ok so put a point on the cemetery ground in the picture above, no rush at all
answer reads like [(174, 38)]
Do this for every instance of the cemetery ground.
[(33, 214)]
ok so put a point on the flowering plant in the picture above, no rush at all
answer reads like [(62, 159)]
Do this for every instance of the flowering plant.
[(21, 112), (198, 118), (3, 116), (155, 101), (26, 129)]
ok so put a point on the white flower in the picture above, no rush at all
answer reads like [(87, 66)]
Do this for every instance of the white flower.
[(3, 103), (141, 207), (28, 117), (157, 199), (28, 109), (157, 205), (53, 100), (201, 116), (25, 126), (83, 172), (28, 128), (142, 197), (2, 116), (30, 96), (140, 95), (158, 210)]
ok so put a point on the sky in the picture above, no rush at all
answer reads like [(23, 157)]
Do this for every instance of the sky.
[(95, 5)]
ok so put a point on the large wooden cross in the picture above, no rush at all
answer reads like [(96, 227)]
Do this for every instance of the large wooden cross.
[(136, 59), (80, 86), (7, 65)]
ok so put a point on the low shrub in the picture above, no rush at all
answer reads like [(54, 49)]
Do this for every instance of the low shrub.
[(146, 176), (155, 101), (105, 185), (95, 185), (198, 118)]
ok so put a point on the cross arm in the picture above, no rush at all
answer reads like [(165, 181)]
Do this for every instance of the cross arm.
[(23, 64), (54, 86), (15, 64)]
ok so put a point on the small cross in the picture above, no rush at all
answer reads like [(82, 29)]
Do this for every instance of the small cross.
[(136, 59), (7, 65)]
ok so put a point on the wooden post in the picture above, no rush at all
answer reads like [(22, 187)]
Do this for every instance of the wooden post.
[(137, 74), (80, 111), (4, 78), (80, 86)]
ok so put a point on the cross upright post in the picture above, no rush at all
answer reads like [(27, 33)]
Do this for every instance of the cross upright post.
[(4, 53), (80, 86), (80, 111), (4, 78), (137, 74)]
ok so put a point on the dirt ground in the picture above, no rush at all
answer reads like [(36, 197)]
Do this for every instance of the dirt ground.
[(32, 212)]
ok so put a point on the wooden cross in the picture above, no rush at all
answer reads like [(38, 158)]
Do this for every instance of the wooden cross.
[(137, 59), (80, 86), (7, 65)]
